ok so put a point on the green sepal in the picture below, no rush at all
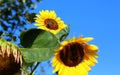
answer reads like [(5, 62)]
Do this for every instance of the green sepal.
[(63, 33)]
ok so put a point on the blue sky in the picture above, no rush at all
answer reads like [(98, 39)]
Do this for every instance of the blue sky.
[(96, 18)]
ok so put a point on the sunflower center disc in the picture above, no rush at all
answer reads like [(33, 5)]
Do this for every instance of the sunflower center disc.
[(51, 24), (72, 54)]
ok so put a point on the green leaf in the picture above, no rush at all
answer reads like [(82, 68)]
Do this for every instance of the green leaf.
[(37, 38), (63, 33), (31, 55), (39, 45)]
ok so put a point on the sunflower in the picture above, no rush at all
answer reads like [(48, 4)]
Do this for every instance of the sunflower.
[(48, 20), (75, 56), (10, 58)]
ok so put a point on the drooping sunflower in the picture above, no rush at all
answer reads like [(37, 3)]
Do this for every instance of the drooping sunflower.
[(48, 20), (10, 58), (75, 56)]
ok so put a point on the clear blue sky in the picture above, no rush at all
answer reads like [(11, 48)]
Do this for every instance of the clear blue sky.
[(97, 18)]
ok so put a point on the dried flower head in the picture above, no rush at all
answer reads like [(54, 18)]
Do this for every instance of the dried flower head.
[(10, 58)]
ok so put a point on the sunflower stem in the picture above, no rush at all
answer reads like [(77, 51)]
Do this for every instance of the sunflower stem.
[(34, 68)]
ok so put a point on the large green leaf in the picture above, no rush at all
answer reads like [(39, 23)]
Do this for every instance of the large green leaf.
[(31, 55), (37, 38), (39, 45)]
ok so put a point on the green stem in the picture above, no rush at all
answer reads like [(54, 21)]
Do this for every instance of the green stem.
[(34, 68)]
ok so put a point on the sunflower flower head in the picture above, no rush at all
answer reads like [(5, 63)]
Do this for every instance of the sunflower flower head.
[(10, 58), (75, 56), (48, 20)]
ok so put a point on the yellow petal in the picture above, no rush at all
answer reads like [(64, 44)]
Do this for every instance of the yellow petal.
[(61, 71), (89, 62), (86, 66), (57, 67), (82, 70), (93, 59), (87, 39), (54, 61), (93, 47)]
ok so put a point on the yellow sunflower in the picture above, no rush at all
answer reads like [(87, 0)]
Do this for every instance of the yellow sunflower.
[(48, 20), (75, 57)]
